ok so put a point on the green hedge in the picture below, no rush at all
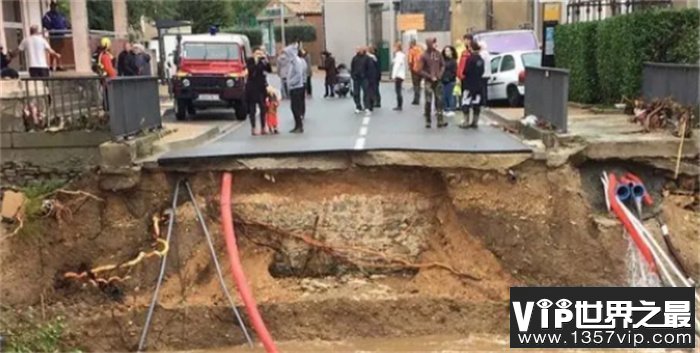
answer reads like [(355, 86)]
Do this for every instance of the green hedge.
[(606, 57), (575, 50), (296, 33), (253, 34)]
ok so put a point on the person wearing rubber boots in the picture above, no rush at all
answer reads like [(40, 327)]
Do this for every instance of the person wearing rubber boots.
[(473, 87), (432, 69)]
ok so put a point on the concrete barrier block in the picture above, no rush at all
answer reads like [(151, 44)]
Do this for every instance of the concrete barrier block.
[(11, 123), (6, 140), (117, 154)]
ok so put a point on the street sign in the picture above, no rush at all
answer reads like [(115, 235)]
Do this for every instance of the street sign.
[(552, 12), (411, 21)]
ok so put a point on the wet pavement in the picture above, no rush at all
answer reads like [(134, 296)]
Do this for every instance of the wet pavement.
[(332, 125)]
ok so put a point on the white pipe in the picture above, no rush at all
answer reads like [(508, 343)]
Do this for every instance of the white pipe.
[(656, 248)]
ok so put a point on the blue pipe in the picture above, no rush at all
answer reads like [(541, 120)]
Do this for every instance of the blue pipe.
[(623, 192)]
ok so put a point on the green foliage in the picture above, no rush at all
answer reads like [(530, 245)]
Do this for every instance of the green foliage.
[(296, 33), (32, 337), (100, 15), (246, 11), (35, 194), (621, 45), (204, 14), (575, 50), (253, 34), (150, 9), (240, 13)]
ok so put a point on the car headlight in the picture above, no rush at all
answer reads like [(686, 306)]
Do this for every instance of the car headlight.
[(229, 83), (186, 82)]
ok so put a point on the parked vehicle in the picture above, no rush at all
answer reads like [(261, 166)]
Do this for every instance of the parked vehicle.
[(509, 41), (211, 72), (507, 80)]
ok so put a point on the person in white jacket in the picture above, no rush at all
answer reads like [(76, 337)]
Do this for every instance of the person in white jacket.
[(398, 74)]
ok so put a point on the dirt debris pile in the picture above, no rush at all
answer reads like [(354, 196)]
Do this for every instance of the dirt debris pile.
[(363, 252)]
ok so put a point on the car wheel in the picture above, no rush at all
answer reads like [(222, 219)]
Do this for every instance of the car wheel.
[(515, 99), (180, 109), (241, 111)]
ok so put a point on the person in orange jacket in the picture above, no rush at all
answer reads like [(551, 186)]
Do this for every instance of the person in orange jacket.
[(272, 102), (415, 52), (468, 38), (105, 59)]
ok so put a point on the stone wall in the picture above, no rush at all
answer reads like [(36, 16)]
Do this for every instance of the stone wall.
[(24, 173), (28, 157)]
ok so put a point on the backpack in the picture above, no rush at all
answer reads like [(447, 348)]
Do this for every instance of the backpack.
[(95, 63)]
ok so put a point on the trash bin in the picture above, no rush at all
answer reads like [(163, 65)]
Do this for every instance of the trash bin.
[(385, 56)]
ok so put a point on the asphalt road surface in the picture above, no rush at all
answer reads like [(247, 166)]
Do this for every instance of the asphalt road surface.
[(332, 125)]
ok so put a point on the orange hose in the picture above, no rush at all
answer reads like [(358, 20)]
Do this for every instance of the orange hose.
[(237, 269)]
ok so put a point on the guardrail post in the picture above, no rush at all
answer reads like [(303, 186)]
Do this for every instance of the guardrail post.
[(134, 105), (547, 95)]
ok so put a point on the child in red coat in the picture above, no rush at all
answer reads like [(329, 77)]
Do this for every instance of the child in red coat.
[(272, 102)]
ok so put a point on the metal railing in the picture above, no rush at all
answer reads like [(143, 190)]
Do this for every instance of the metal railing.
[(547, 95), (134, 105), (676, 81), (63, 103), (595, 10)]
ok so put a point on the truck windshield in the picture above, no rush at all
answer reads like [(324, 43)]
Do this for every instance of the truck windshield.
[(211, 51)]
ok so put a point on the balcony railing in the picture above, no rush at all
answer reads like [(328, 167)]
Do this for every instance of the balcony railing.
[(64, 103), (595, 10), (125, 106)]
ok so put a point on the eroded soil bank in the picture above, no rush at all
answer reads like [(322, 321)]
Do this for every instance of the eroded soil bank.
[(330, 255)]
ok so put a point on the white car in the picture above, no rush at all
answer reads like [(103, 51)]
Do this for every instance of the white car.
[(507, 81)]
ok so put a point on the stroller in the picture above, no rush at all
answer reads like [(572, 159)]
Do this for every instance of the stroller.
[(343, 82)]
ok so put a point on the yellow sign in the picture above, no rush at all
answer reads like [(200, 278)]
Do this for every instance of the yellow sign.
[(552, 12), (410, 21)]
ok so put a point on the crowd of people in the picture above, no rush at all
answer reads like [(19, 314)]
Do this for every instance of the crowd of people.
[(451, 79)]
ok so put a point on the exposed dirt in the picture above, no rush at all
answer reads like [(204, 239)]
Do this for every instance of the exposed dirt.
[(382, 231)]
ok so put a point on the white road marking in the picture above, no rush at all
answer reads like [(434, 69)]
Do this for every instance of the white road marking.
[(364, 129)]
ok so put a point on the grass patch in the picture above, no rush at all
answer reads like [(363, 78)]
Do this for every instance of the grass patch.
[(35, 194), (31, 337)]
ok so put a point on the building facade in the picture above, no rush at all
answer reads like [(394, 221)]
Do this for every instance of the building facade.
[(16, 16), (296, 12), (479, 15)]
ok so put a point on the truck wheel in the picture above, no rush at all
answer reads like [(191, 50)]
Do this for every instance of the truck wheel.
[(241, 110), (180, 109)]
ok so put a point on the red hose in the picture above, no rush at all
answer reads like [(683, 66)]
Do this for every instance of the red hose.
[(236, 268), (636, 237)]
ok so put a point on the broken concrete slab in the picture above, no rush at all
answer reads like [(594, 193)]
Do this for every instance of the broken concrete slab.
[(478, 161)]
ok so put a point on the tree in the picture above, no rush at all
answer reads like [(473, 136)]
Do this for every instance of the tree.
[(204, 14), (149, 9), (246, 11)]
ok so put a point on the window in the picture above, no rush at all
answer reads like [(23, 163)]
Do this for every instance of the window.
[(532, 59), (508, 63), (211, 51), (495, 62), (12, 10)]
